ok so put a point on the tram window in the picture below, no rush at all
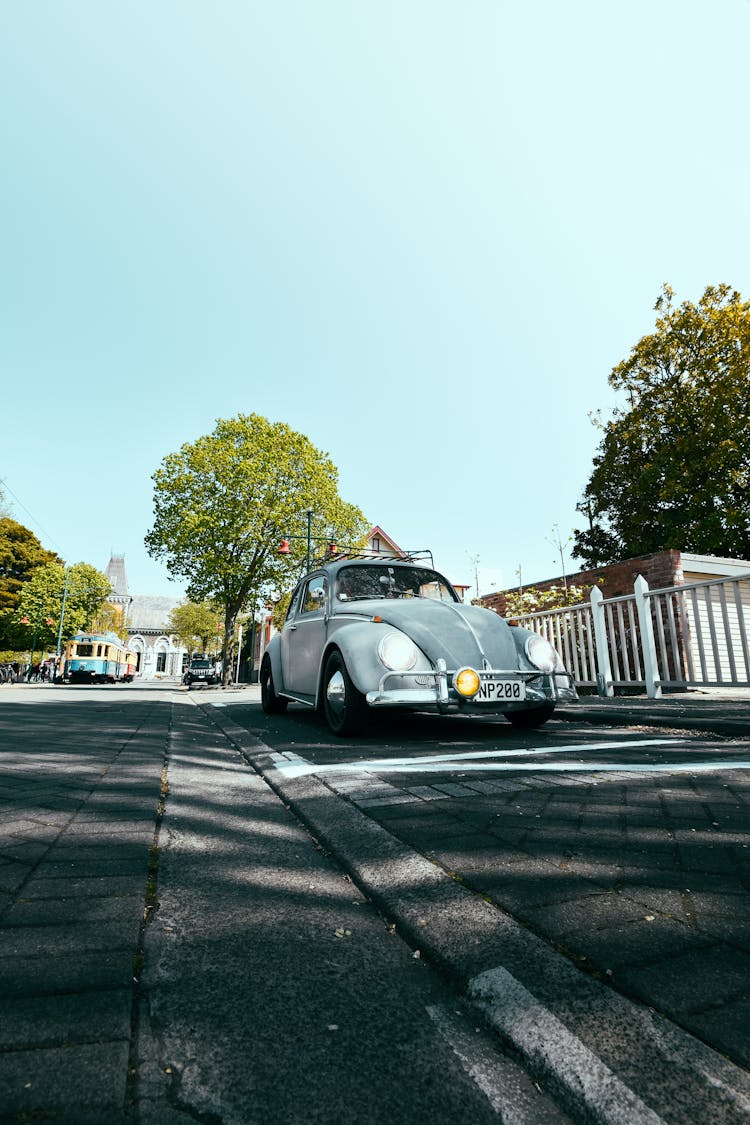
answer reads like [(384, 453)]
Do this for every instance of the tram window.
[(98, 650), (84, 650)]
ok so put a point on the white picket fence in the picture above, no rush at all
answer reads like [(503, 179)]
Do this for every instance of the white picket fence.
[(694, 635)]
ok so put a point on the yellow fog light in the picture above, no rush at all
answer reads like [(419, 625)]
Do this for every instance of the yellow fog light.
[(466, 682)]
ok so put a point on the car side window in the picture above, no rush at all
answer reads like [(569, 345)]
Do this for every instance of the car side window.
[(294, 604), (314, 597)]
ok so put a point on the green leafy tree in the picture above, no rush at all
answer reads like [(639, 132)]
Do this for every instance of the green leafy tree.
[(224, 503), (21, 555), (673, 466), (198, 625), (532, 600), (110, 618), (41, 601)]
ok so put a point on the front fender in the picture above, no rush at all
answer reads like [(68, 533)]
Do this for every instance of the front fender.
[(358, 644), (273, 653)]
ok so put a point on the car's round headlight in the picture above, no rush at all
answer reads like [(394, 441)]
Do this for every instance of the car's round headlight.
[(398, 652), (541, 653), (466, 682)]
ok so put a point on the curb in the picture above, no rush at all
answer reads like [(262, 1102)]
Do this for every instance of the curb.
[(606, 1058), (626, 717)]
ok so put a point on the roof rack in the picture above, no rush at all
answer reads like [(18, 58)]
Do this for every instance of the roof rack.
[(342, 554)]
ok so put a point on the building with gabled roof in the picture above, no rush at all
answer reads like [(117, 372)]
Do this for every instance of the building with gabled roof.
[(159, 654), (380, 543)]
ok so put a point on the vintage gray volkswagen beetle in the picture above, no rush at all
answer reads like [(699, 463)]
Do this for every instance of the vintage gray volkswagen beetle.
[(363, 634)]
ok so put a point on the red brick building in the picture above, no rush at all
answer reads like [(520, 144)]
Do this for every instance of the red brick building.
[(661, 569)]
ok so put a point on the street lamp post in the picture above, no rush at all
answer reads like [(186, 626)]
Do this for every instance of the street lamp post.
[(284, 548), (308, 513), (58, 650)]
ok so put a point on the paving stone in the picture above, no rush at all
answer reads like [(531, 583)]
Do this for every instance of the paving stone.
[(47, 1021), (590, 912), (92, 887), (76, 1084), (624, 945), (427, 793), (35, 976), (69, 940), (60, 911), (718, 974)]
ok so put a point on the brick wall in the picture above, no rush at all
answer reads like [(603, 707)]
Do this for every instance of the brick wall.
[(664, 568)]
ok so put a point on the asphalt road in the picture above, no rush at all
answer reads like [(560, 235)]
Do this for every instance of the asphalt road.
[(620, 855), (176, 946), (206, 914)]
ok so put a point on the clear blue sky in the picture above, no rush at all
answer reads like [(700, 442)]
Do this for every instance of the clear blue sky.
[(421, 233)]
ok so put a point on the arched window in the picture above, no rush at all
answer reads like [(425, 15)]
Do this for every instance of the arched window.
[(137, 645), (161, 648)]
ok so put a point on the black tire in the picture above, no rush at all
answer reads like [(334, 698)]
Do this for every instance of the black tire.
[(534, 717), (271, 703), (344, 707)]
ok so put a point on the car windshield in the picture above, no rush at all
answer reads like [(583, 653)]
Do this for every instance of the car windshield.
[(355, 583)]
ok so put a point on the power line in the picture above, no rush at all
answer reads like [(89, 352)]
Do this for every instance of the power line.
[(47, 535)]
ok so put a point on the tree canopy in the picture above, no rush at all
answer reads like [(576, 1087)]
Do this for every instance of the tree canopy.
[(198, 625), (224, 503), (21, 554), (42, 599), (673, 465)]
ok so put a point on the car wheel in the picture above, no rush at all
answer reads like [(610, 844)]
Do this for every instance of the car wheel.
[(271, 703), (534, 717), (344, 707)]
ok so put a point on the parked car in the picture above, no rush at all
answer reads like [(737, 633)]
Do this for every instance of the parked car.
[(365, 634), (202, 670)]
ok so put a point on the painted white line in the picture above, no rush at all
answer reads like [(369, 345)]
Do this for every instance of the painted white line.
[(544, 1040), (537, 751), (432, 762), (295, 770), (488, 763), (506, 1086)]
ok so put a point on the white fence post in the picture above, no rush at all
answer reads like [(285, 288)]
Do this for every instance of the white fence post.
[(650, 663), (604, 668)]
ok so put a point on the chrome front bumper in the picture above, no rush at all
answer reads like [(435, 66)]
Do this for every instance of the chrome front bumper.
[(541, 687)]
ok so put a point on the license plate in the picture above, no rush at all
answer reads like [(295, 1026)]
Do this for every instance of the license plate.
[(501, 691)]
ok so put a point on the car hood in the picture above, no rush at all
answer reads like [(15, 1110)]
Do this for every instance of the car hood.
[(460, 634)]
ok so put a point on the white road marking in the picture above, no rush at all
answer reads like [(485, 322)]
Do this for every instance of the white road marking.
[(506, 1086), (487, 761), (541, 1037), (431, 762)]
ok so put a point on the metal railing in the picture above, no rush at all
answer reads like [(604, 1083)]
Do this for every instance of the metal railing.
[(692, 635)]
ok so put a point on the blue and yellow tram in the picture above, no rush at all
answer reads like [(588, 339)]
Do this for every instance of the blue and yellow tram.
[(98, 658)]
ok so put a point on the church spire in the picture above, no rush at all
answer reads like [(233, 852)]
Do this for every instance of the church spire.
[(115, 572)]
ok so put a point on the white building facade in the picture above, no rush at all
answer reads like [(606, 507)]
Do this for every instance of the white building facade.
[(159, 654)]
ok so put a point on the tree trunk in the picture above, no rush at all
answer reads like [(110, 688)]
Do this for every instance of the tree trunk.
[(227, 651)]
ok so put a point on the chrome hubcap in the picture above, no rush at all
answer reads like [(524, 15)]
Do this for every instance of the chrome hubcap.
[(336, 692)]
